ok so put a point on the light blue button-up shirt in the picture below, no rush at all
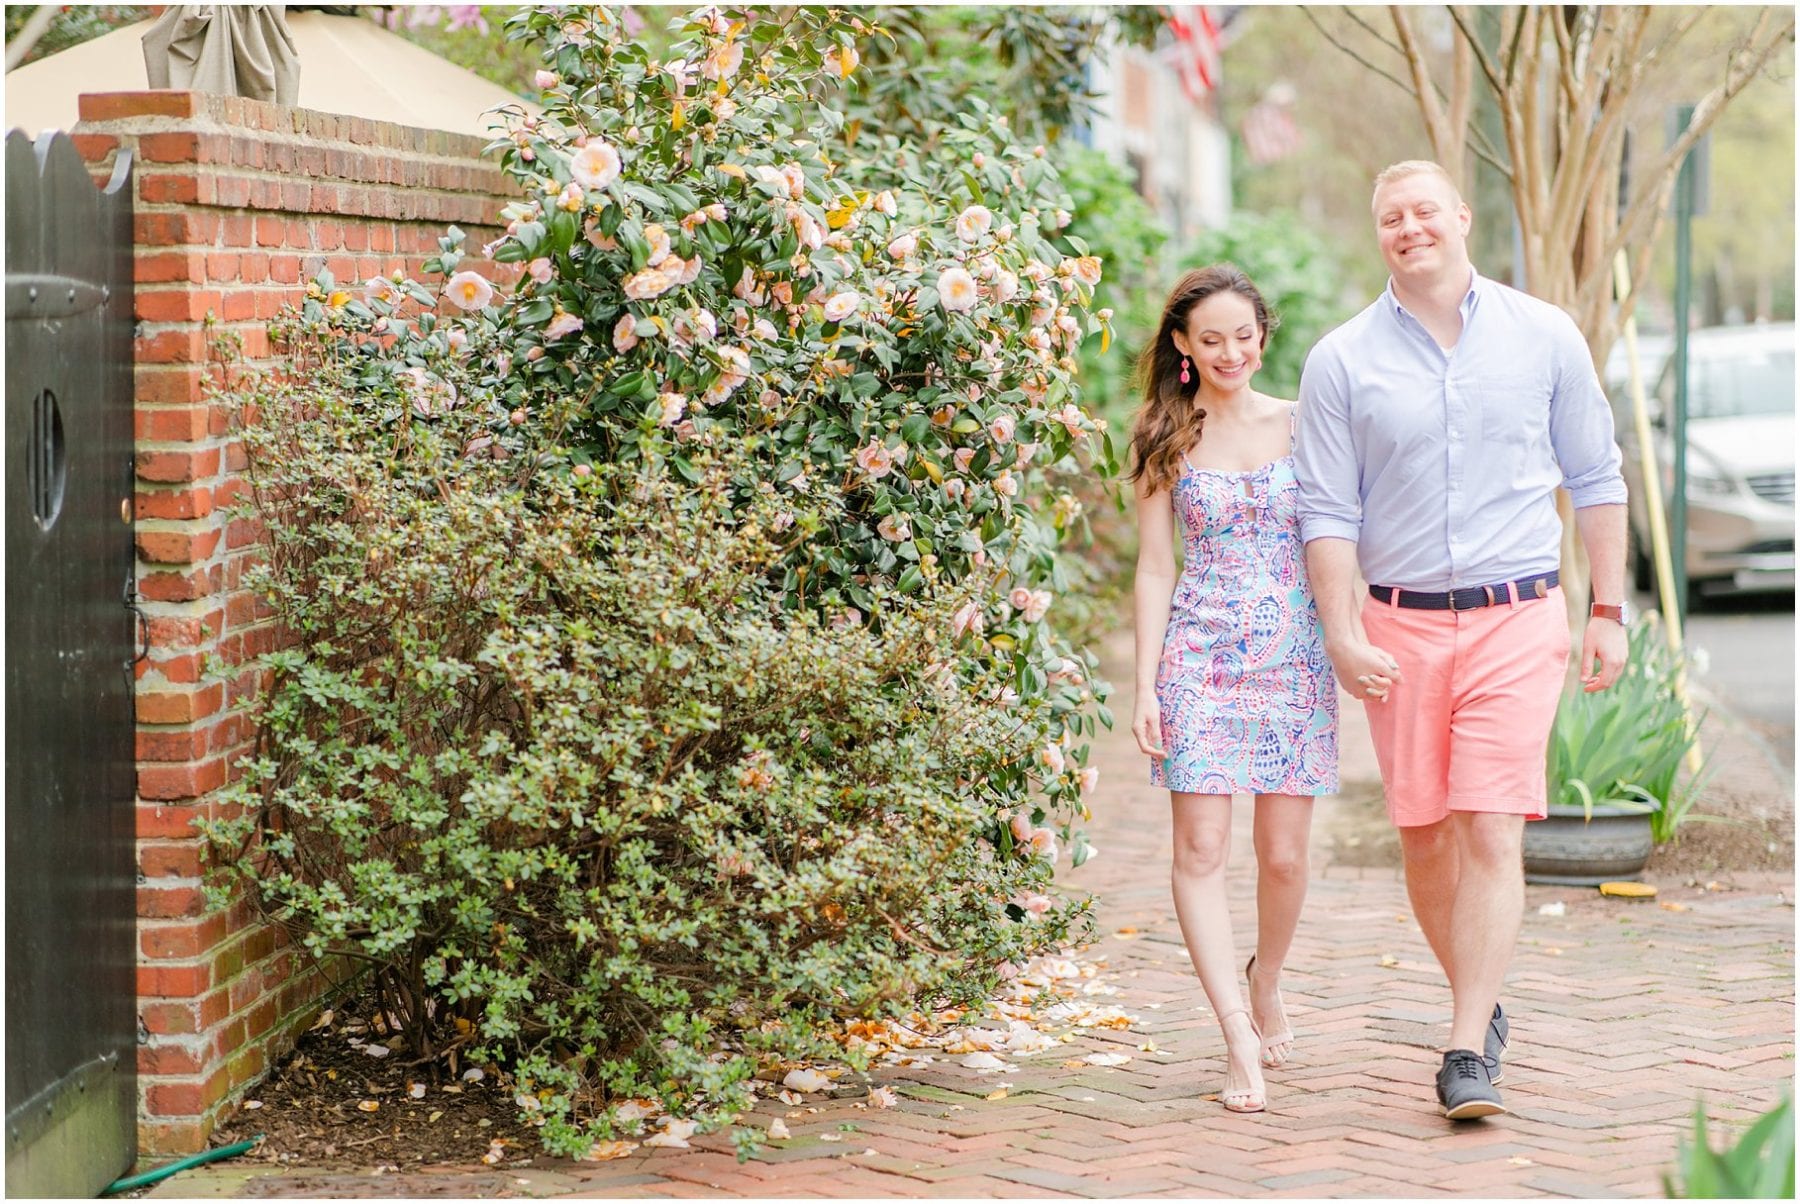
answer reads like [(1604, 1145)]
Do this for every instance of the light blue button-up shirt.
[(1442, 466)]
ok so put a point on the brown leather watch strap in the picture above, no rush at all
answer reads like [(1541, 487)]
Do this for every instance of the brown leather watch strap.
[(1600, 611)]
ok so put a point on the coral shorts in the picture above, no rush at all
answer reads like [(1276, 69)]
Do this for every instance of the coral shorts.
[(1467, 727)]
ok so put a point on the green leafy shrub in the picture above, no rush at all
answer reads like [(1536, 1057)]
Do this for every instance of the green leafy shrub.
[(673, 664), (1760, 1166), (551, 755), (1624, 746)]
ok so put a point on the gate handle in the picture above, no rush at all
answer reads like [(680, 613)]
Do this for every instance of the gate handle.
[(143, 633)]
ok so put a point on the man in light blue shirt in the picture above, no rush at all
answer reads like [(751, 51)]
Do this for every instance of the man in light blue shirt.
[(1435, 428)]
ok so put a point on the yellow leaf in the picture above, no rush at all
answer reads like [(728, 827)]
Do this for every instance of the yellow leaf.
[(1105, 339), (1628, 890), (732, 170), (1128, 930), (932, 470), (1673, 906), (605, 1151), (339, 299), (369, 1105), (996, 1095), (676, 119)]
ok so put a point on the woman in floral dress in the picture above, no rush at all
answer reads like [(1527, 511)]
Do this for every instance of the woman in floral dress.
[(1235, 694)]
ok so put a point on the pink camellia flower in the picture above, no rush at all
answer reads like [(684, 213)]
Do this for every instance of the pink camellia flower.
[(683, 73), (469, 290), (723, 62), (571, 198), (903, 246), (647, 284), (673, 406), (782, 291), (842, 60), (762, 328), (540, 270), (973, 222), (714, 212), (1043, 843), (955, 488), (380, 288), (1038, 605), (457, 339), (1070, 417), (1087, 270), (595, 165), (534, 354), (1020, 598), (1052, 757), (624, 335), (966, 620), (1001, 427), (962, 457), (1021, 826), (546, 80), (875, 459), (1005, 485), (839, 306), (1032, 903), (1087, 779), (1027, 452), (502, 363), (690, 270), (1005, 286), (600, 240), (658, 238), (693, 326), (956, 290), (895, 527), (563, 323), (806, 228), (884, 204)]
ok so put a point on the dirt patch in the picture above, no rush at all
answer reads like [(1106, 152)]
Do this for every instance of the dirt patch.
[(334, 1101)]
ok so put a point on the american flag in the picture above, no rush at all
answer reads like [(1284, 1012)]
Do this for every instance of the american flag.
[(1196, 49)]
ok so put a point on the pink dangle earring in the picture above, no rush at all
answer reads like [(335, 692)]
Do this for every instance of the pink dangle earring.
[(1184, 370)]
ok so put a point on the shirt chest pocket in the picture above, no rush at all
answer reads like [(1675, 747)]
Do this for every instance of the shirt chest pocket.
[(1512, 405)]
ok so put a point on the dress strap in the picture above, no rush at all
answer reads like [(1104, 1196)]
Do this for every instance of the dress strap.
[(1293, 426)]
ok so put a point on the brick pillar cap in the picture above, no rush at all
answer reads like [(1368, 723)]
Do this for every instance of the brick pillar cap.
[(152, 102)]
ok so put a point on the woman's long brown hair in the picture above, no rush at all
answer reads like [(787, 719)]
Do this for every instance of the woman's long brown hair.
[(1171, 420)]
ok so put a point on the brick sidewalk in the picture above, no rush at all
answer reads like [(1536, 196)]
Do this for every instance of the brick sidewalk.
[(1624, 1012)]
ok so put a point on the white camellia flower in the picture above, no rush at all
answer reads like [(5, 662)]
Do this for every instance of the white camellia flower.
[(973, 222), (595, 165), (841, 305), (624, 334), (895, 528), (956, 290), (469, 290)]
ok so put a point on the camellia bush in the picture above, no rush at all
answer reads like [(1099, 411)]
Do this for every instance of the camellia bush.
[(672, 670)]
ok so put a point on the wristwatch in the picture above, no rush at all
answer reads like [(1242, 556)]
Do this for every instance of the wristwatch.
[(1620, 614)]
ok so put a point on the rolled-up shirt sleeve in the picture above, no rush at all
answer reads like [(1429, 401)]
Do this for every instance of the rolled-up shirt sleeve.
[(1581, 426), (1330, 498)]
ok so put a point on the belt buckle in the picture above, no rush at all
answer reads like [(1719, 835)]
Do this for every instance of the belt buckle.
[(1454, 607)]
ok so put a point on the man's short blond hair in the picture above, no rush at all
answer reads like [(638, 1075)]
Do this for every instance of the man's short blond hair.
[(1412, 167)]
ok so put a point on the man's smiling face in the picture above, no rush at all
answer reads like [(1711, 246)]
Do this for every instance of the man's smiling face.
[(1422, 227)]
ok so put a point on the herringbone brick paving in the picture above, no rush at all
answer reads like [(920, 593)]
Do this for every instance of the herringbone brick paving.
[(1624, 1013)]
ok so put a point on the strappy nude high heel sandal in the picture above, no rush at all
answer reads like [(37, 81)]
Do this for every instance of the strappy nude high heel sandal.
[(1241, 1099), (1270, 1057)]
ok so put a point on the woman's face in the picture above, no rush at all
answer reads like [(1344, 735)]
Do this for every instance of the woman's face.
[(1223, 340)]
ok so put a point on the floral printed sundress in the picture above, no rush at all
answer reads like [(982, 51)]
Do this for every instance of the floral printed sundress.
[(1246, 693)]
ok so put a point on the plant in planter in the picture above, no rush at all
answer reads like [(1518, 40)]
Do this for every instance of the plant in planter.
[(1614, 762)]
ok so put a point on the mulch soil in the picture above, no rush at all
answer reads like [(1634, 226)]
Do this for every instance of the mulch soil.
[(332, 1102)]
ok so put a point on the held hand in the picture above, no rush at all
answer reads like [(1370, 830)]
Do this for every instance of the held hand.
[(1146, 725), (1604, 642), (1365, 671)]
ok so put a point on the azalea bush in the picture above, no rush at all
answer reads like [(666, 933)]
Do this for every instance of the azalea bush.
[(675, 668)]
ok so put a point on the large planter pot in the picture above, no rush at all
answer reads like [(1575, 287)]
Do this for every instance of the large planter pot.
[(1568, 849)]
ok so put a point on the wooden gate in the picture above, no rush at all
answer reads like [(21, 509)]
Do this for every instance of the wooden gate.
[(71, 1089)]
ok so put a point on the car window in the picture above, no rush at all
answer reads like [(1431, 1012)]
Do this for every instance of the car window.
[(1747, 381)]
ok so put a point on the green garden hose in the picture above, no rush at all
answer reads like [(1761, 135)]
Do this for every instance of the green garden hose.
[(133, 1182)]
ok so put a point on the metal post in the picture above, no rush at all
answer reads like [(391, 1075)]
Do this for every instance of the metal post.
[(1684, 219)]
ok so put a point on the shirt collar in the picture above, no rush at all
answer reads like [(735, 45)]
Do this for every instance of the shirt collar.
[(1477, 284)]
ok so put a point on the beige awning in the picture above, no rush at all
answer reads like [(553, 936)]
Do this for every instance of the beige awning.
[(348, 65)]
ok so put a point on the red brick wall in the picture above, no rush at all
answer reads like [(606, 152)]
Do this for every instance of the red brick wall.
[(238, 204)]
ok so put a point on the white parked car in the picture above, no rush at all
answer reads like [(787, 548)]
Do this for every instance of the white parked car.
[(1740, 463)]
